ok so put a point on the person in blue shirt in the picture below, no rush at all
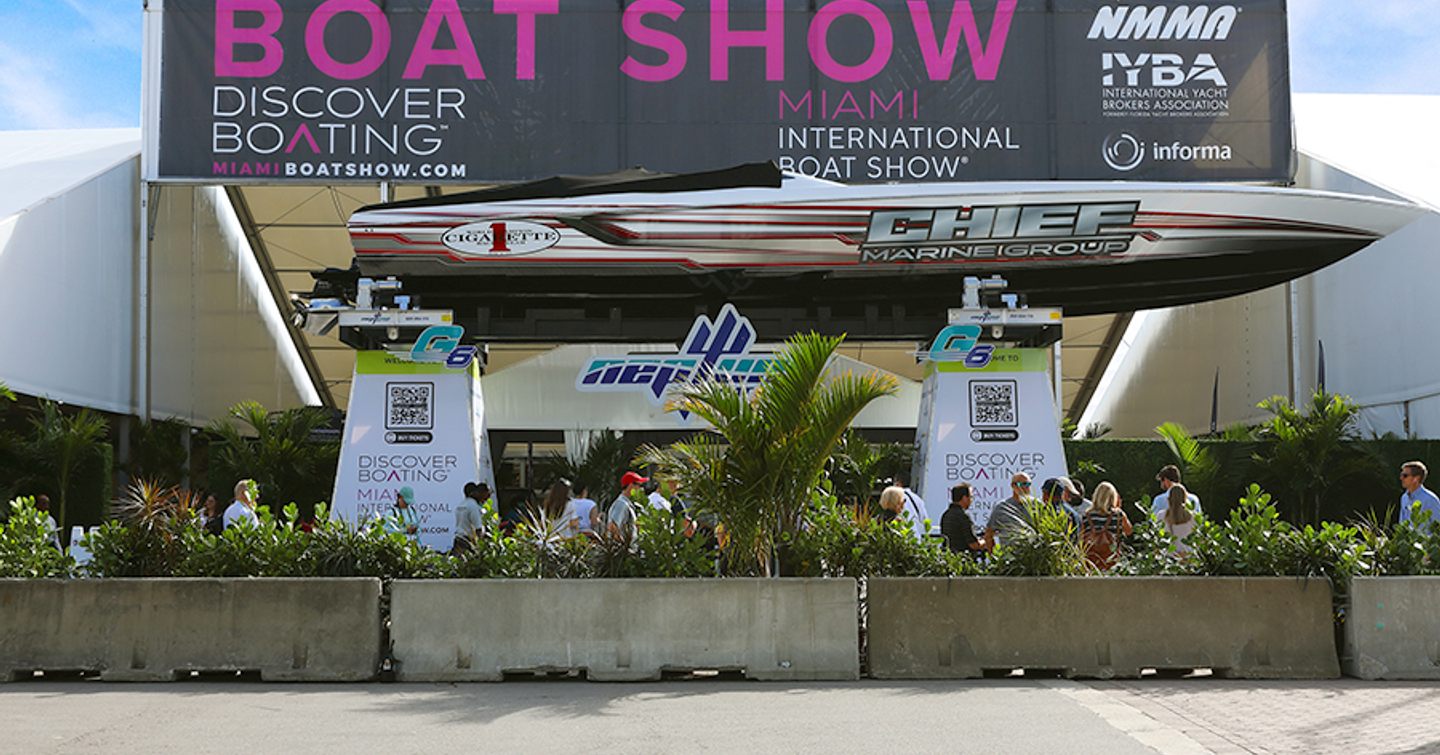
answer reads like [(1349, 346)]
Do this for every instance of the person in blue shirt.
[(1412, 478), (1169, 476)]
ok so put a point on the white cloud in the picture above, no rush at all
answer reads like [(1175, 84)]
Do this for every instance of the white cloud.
[(31, 94), (1375, 46), (110, 22)]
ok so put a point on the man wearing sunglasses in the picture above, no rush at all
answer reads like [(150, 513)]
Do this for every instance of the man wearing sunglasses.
[(1009, 517), (1412, 478)]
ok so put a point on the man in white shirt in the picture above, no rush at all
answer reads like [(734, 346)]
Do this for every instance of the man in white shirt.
[(1168, 477), (658, 501), (469, 519), (914, 508), (52, 530), (242, 509)]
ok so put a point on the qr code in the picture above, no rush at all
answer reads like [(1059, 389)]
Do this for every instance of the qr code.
[(992, 404), (409, 406)]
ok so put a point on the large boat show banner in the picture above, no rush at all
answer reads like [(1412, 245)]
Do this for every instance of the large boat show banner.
[(857, 91)]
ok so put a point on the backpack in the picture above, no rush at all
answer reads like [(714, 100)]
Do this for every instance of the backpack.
[(1099, 543)]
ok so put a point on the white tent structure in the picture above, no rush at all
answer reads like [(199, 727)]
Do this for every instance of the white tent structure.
[(1374, 312), (74, 288)]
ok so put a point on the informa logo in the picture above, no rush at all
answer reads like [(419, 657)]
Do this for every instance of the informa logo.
[(501, 238), (719, 349), (1123, 152)]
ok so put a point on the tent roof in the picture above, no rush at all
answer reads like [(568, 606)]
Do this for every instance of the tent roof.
[(40, 165)]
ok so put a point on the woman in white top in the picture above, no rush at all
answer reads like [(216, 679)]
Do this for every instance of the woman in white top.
[(1179, 522), (578, 513)]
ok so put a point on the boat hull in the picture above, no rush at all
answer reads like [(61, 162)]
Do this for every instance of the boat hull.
[(877, 261)]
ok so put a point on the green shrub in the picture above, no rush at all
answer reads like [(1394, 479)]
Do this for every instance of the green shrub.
[(1406, 548), (26, 550), (1254, 541), (664, 549), (839, 541), (1050, 548), (1150, 552)]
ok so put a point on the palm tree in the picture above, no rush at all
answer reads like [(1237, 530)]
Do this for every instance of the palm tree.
[(758, 475), (1306, 453), (62, 443), (275, 450), (5, 393), (606, 457)]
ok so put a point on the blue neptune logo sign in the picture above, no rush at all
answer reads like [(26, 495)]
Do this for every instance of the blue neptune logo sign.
[(719, 349), (440, 344), (961, 343)]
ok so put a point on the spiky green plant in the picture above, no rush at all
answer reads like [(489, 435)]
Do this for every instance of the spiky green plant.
[(758, 474)]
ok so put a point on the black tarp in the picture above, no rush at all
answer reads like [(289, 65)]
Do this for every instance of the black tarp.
[(764, 175)]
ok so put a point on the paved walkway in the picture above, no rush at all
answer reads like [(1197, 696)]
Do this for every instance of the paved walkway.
[(1343, 716), (1008, 715)]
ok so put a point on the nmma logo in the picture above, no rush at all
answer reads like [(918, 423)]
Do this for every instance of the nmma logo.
[(1163, 22)]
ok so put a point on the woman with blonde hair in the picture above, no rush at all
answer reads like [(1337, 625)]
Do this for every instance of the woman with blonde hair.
[(1102, 526), (1179, 521), (892, 502)]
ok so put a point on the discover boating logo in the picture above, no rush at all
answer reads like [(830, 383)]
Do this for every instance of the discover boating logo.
[(501, 238)]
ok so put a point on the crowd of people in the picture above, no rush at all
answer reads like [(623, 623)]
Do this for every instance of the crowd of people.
[(567, 511), (1098, 523)]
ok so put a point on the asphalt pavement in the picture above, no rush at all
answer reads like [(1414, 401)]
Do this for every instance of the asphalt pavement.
[(984, 716)]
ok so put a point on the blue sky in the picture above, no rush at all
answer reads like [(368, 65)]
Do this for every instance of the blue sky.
[(76, 63)]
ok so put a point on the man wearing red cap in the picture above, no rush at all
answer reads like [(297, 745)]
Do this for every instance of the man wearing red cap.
[(621, 515)]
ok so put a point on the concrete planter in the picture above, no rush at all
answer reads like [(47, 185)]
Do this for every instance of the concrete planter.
[(1392, 628), (154, 629), (625, 629), (1101, 627)]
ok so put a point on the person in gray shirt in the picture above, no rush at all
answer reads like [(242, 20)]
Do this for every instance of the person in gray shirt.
[(1009, 517), (469, 519), (621, 514)]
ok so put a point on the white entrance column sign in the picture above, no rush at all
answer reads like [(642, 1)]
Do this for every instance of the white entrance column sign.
[(411, 424)]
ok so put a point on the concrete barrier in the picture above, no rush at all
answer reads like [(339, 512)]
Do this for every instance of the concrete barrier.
[(625, 629), (154, 629), (1392, 628), (1101, 627)]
